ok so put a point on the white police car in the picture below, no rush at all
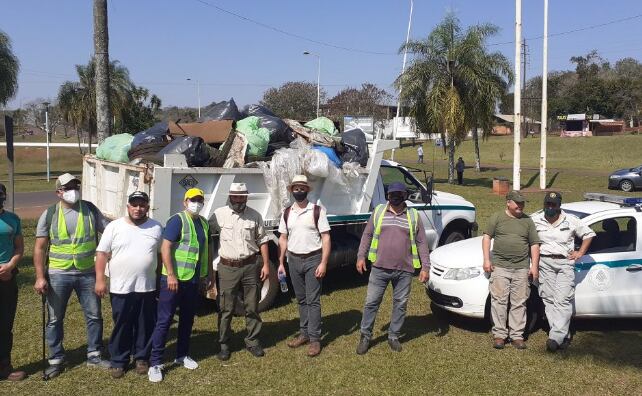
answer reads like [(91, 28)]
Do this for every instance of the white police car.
[(608, 278)]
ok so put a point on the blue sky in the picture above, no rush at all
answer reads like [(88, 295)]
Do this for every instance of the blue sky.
[(164, 42)]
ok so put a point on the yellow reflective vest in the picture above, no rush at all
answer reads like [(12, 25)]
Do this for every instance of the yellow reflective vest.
[(378, 214)]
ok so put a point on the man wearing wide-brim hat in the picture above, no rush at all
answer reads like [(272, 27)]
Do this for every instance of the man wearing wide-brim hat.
[(244, 264), (515, 258), (305, 240)]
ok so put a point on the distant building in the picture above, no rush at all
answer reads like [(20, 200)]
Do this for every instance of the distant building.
[(576, 125), (504, 125)]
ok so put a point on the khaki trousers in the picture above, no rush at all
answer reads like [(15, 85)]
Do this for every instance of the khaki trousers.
[(557, 289), (509, 286)]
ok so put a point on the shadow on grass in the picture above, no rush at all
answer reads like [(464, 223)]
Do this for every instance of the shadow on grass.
[(531, 180), (445, 319), (552, 180)]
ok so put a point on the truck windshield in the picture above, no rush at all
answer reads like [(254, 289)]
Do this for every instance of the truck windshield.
[(391, 174)]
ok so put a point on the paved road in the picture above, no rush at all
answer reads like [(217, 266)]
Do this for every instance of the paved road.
[(30, 205)]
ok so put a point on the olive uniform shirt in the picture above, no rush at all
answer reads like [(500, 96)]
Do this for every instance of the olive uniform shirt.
[(513, 239)]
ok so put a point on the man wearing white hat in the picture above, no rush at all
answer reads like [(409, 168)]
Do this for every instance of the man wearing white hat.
[(69, 231), (305, 238), (244, 264)]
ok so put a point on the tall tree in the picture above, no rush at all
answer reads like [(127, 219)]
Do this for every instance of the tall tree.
[(77, 99), (454, 84), (368, 101), (140, 112), (101, 59), (294, 99), (9, 67)]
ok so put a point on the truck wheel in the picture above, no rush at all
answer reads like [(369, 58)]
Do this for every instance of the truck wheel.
[(626, 185), (454, 236), (267, 293)]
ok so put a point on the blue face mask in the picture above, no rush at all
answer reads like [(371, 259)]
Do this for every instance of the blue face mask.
[(551, 212)]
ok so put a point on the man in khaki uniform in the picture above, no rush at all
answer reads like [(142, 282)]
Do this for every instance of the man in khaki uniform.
[(515, 240), (244, 264), (558, 230)]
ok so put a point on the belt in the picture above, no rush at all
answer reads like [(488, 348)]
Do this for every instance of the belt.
[(554, 256), (239, 263), (305, 255)]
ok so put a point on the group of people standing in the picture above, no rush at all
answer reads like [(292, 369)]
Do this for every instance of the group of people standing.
[(77, 249)]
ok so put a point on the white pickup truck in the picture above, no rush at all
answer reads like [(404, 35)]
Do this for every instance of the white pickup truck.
[(447, 217)]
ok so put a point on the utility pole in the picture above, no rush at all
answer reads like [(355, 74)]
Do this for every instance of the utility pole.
[(524, 67), (544, 124), (101, 63), (517, 111), (403, 69)]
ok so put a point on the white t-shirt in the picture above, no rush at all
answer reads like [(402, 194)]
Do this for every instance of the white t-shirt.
[(134, 250), (303, 236)]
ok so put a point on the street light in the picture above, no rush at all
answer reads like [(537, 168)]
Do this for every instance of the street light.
[(198, 95), (318, 78), (46, 104), (395, 123)]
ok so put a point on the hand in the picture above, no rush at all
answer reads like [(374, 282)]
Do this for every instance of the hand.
[(172, 283), (320, 272), (212, 292), (5, 275), (424, 276), (281, 270), (4, 270), (576, 255), (488, 266), (361, 266), (533, 272), (40, 286), (265, 272), (100, 288), (203, 285)]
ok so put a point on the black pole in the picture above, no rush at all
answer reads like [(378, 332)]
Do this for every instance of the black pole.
[(7, 125)]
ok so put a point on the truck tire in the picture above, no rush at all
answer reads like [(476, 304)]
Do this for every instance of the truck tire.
[(454, 236), (268, 291), (626, 185)]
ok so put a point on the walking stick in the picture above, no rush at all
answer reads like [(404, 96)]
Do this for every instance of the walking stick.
[(45, 376)]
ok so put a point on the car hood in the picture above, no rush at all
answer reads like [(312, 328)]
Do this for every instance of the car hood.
[(622, 172), (444, 198), (466, 253)]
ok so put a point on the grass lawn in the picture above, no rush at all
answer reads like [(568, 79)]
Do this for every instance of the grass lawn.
[(442, 354)]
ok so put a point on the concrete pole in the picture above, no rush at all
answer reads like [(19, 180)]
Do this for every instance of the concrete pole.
[(403, 69), (544, 125), (318, 84), (47, 133), (517, 116)]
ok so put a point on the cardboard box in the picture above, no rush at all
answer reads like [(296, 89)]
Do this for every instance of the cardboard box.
[(210, 131)]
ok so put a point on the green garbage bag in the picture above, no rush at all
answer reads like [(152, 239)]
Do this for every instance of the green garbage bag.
[(257, 138), (323, 125), (115, 148)]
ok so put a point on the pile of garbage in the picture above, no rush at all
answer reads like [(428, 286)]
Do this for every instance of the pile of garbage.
[(228, 137)]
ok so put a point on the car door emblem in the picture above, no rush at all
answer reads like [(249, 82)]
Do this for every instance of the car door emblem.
[(600, 277)]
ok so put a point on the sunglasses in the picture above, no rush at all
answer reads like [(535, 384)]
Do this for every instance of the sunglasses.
[(197, 199)]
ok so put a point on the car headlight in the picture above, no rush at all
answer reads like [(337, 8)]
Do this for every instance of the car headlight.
[(462, 273), (614, 176)]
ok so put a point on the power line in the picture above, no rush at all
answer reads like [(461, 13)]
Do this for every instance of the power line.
[(294, 35)]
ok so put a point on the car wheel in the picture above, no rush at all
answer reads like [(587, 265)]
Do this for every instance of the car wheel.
[(454, 236), (626, 185)]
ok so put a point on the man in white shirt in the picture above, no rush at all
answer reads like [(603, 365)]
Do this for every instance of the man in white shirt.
[(305, 237), (130, 245), (420, 154), (557, 231)]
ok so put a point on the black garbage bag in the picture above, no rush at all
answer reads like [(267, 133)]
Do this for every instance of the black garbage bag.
[(196, 151), (157, 134), (225, 110), (355, 147), (279, 130)]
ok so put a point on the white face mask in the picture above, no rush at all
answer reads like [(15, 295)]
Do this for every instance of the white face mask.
[(71, 196), (194, 207)]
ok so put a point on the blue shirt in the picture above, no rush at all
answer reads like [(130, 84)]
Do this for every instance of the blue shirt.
[(10, 227), (173, 232)]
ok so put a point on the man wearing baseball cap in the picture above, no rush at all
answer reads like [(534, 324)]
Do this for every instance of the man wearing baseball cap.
[(11, 251), (185, 251), (69, 230), (127, 254), (558, 230), (244, 264), (516, 241), (394, 241)]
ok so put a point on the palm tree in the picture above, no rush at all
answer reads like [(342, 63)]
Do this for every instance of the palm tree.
[(454, 83), (9, 67), (77, 99)]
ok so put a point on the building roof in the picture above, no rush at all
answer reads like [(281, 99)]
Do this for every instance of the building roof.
[(510, 118)]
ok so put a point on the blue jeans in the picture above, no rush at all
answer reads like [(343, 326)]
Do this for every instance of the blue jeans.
[(377, 284), (59, 291), (134, 317), (185, 298)]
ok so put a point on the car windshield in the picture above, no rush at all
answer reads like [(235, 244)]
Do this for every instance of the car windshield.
[(579, 215)]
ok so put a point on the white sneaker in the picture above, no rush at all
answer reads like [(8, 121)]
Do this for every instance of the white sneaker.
[(155, 374), (187, 362)]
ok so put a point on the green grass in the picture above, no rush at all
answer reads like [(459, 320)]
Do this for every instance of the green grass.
[(442, 354)]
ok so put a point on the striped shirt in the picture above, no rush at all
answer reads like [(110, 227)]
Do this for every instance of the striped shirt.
[(394, 243)]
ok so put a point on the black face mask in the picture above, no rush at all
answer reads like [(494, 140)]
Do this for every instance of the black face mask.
[(238, 207), (300, 196), (551, 212), (2, 202), (396, 200)]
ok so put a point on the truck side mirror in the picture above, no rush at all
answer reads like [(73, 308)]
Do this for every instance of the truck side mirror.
[(426, 195)]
